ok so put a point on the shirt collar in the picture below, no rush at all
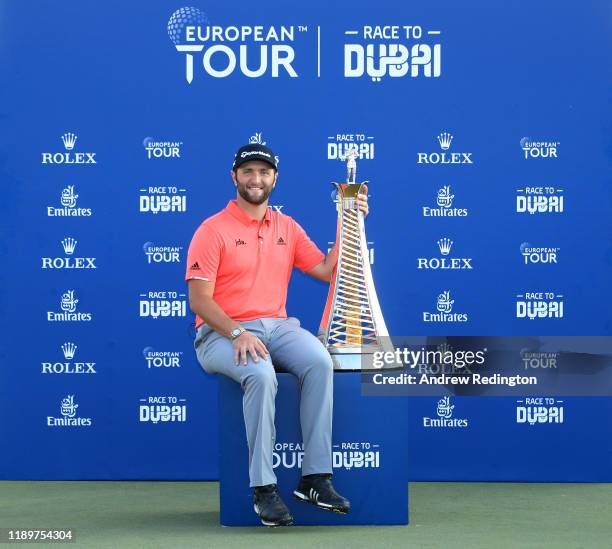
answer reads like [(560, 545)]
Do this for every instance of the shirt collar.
[(237, 212)]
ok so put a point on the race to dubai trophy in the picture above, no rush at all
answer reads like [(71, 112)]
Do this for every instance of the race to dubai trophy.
[(352, 323)]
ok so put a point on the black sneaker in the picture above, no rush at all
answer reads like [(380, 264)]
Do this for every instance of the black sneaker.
[(270, 507), (319, 490)]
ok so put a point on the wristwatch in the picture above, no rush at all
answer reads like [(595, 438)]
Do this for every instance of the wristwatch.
[(236, 332)]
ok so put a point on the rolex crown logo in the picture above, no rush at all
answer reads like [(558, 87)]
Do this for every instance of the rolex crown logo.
[(69, 349), (69, 140), (445, 351), (69, 245), (445, 245), (444, 348), (445, 139)]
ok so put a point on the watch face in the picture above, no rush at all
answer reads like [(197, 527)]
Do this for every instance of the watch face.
[(236, 332)]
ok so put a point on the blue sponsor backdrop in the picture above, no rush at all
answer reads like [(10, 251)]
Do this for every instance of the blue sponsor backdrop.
[(522, 89)]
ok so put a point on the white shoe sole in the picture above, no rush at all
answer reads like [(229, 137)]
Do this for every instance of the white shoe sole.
[(326, 506), (270, 524)]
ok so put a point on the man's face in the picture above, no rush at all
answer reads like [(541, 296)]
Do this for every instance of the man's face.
[(255, 180)]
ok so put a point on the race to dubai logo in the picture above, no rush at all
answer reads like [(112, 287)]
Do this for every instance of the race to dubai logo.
[(346, 455), (164, 199), (162, 409), (533, 305), (156, 304), (394, 51), (539, 200), (538, 410), (339, 144), (254, 51)]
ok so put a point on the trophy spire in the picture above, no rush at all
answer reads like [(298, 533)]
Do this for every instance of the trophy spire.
[(352, 323)]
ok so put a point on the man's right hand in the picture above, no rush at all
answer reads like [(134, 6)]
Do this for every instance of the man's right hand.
[(245, 343)]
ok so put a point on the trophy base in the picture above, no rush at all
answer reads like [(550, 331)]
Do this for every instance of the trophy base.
[(358, 358), (346, 362)]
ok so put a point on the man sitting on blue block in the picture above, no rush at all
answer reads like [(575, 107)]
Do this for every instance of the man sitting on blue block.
[(239, 265)]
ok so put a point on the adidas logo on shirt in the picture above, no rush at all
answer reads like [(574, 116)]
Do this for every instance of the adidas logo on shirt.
[(195, 267), (240, 242), (281, 242)]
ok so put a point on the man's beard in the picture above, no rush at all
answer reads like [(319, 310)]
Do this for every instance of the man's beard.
[(244, 193)]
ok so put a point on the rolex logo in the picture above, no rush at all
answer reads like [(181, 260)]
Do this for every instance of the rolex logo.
[(445, 245), (69, 140), (444, 262), (69, 245), (69, 349), (445, 140), (444, 348), (68, 367), (445, 351)]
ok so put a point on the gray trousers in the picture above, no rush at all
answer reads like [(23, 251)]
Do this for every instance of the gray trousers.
[(291, 349)]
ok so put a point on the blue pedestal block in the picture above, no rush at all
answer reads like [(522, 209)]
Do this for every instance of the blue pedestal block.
[(370, 452)]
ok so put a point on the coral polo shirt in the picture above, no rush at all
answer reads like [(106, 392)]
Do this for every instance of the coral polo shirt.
[(250, 263)]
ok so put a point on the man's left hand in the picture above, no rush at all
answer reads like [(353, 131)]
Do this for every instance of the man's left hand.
[(362, 201)]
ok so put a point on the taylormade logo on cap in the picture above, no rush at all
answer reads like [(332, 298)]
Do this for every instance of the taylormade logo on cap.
[(254, 151), (259, 153)]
